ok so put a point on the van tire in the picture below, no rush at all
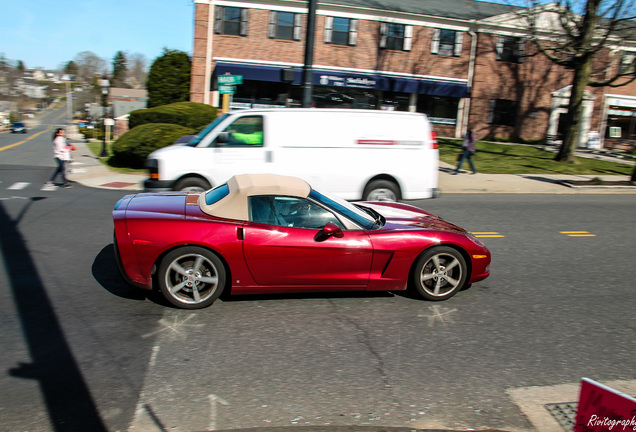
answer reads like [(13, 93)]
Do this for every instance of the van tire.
[(381, 190), (192, 184)]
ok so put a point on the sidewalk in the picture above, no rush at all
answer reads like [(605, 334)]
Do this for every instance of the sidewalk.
[(89, 171)]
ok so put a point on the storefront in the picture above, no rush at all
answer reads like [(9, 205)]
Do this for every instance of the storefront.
[(620, 130), (278, 86)]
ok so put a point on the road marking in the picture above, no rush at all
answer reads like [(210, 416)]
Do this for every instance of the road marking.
[(488, 234), (28, 139), (577, 233), (18, 186)]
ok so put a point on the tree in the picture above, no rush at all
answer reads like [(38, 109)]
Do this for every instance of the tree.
[(579, 36), (138, 70), (169, 78), (89, 64), (70, 68), (120, 70)]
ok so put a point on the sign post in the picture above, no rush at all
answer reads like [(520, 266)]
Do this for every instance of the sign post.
[(227, 86)]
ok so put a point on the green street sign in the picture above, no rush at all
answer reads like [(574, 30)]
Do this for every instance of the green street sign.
[(230, 79), (227, 89)]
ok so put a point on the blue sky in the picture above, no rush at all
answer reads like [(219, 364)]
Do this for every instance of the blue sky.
[(45, 33)]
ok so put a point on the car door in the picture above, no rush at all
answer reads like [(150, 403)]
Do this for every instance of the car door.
[(283, 246)]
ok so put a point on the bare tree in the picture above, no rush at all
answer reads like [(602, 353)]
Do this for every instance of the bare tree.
[(579, 35), (137, 70), (89, 64)]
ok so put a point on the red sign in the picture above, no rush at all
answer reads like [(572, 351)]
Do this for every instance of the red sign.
[(603, 409)]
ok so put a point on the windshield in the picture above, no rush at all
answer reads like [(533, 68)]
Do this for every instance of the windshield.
[(356, 213), (198, 137)]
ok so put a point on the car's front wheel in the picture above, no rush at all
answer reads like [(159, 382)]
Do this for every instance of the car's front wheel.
[(191, 277), (440, 273)]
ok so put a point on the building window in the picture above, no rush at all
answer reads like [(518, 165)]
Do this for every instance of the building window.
[(439, 109), (447, 42), (396, 36), (627, 62), (285, 25), (502, 112), (341, 31), (510, 49), (230, 21)]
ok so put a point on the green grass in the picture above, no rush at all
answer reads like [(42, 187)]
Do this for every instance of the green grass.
[(492, 158), (96, 148)]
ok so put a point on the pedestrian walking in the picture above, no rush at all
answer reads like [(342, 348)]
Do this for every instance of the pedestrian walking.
[(469, 149), (62, 154)]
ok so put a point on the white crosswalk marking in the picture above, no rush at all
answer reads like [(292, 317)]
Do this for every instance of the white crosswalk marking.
[(18, 186)]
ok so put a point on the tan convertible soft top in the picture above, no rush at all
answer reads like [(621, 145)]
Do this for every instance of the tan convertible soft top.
[(234, 205)]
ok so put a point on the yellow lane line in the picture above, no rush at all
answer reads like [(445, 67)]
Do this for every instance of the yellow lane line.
[(28, 139), (487, 234), (577, 233)]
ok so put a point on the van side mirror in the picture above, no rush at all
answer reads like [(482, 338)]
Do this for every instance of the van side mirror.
[(222, 138)]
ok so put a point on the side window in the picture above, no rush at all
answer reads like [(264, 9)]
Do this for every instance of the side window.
[(230, 21), (447, 42), (285, 25), (396, 36), (290, 212), (510, 49), (502, 112), (245, 131), (341, 31), (628, 59)]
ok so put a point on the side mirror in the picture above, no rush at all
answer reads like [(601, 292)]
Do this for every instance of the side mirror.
[(332, 230), (222, 138)]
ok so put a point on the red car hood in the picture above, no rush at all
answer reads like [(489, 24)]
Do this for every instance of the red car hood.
[(403, 215)]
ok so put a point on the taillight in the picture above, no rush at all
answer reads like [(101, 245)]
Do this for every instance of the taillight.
[(434, 140)]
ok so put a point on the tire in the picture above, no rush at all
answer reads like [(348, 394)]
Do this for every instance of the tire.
[(191, 277), (440, 273), (381, 190), (192, 184)]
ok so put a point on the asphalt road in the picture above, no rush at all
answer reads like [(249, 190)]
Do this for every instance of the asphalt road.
[(82, 351)]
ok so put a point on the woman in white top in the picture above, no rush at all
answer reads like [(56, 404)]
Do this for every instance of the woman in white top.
[(62, 154)]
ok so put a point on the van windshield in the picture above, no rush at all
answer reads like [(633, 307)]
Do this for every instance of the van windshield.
[(198, 137)]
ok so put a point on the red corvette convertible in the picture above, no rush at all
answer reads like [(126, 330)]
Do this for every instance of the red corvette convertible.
[(264, 233)]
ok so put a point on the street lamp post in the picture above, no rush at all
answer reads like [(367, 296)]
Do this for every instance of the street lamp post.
[(104, 84)]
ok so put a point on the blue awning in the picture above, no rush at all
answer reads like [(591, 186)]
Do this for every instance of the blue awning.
[(347, 80)]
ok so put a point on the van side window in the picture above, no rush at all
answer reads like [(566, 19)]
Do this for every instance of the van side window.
[(243, 132), (289, 212)]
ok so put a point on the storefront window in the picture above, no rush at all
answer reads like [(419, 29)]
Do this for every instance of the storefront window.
[(439, 109), (342, 97), (395, 101)]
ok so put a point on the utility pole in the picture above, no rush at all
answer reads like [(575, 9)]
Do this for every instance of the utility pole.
[(309, 55)]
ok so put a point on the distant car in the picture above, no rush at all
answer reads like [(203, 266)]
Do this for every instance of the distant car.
[(265, 233), (18, 127)]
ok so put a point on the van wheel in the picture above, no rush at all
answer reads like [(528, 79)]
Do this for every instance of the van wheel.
[(381, 190), (192, 184)]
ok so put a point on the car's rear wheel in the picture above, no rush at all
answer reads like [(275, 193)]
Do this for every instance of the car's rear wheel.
[(191, 277), (381, 190), (440, 273), (192, 184)]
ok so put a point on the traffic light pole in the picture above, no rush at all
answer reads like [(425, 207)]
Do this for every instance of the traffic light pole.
[(309, 55)]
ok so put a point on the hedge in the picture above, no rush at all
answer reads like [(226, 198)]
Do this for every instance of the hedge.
[(133, 147), (190, 114)]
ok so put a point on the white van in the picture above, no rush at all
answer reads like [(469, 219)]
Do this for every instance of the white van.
[(355, 154)]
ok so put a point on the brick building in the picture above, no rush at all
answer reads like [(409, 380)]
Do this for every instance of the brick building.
[(459, 61)]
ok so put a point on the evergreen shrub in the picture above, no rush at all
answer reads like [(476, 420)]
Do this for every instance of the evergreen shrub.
[(189, 114), (133, 147)]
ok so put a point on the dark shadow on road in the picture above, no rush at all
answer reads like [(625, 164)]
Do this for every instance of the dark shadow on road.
[(67, 397), (107, 274)]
